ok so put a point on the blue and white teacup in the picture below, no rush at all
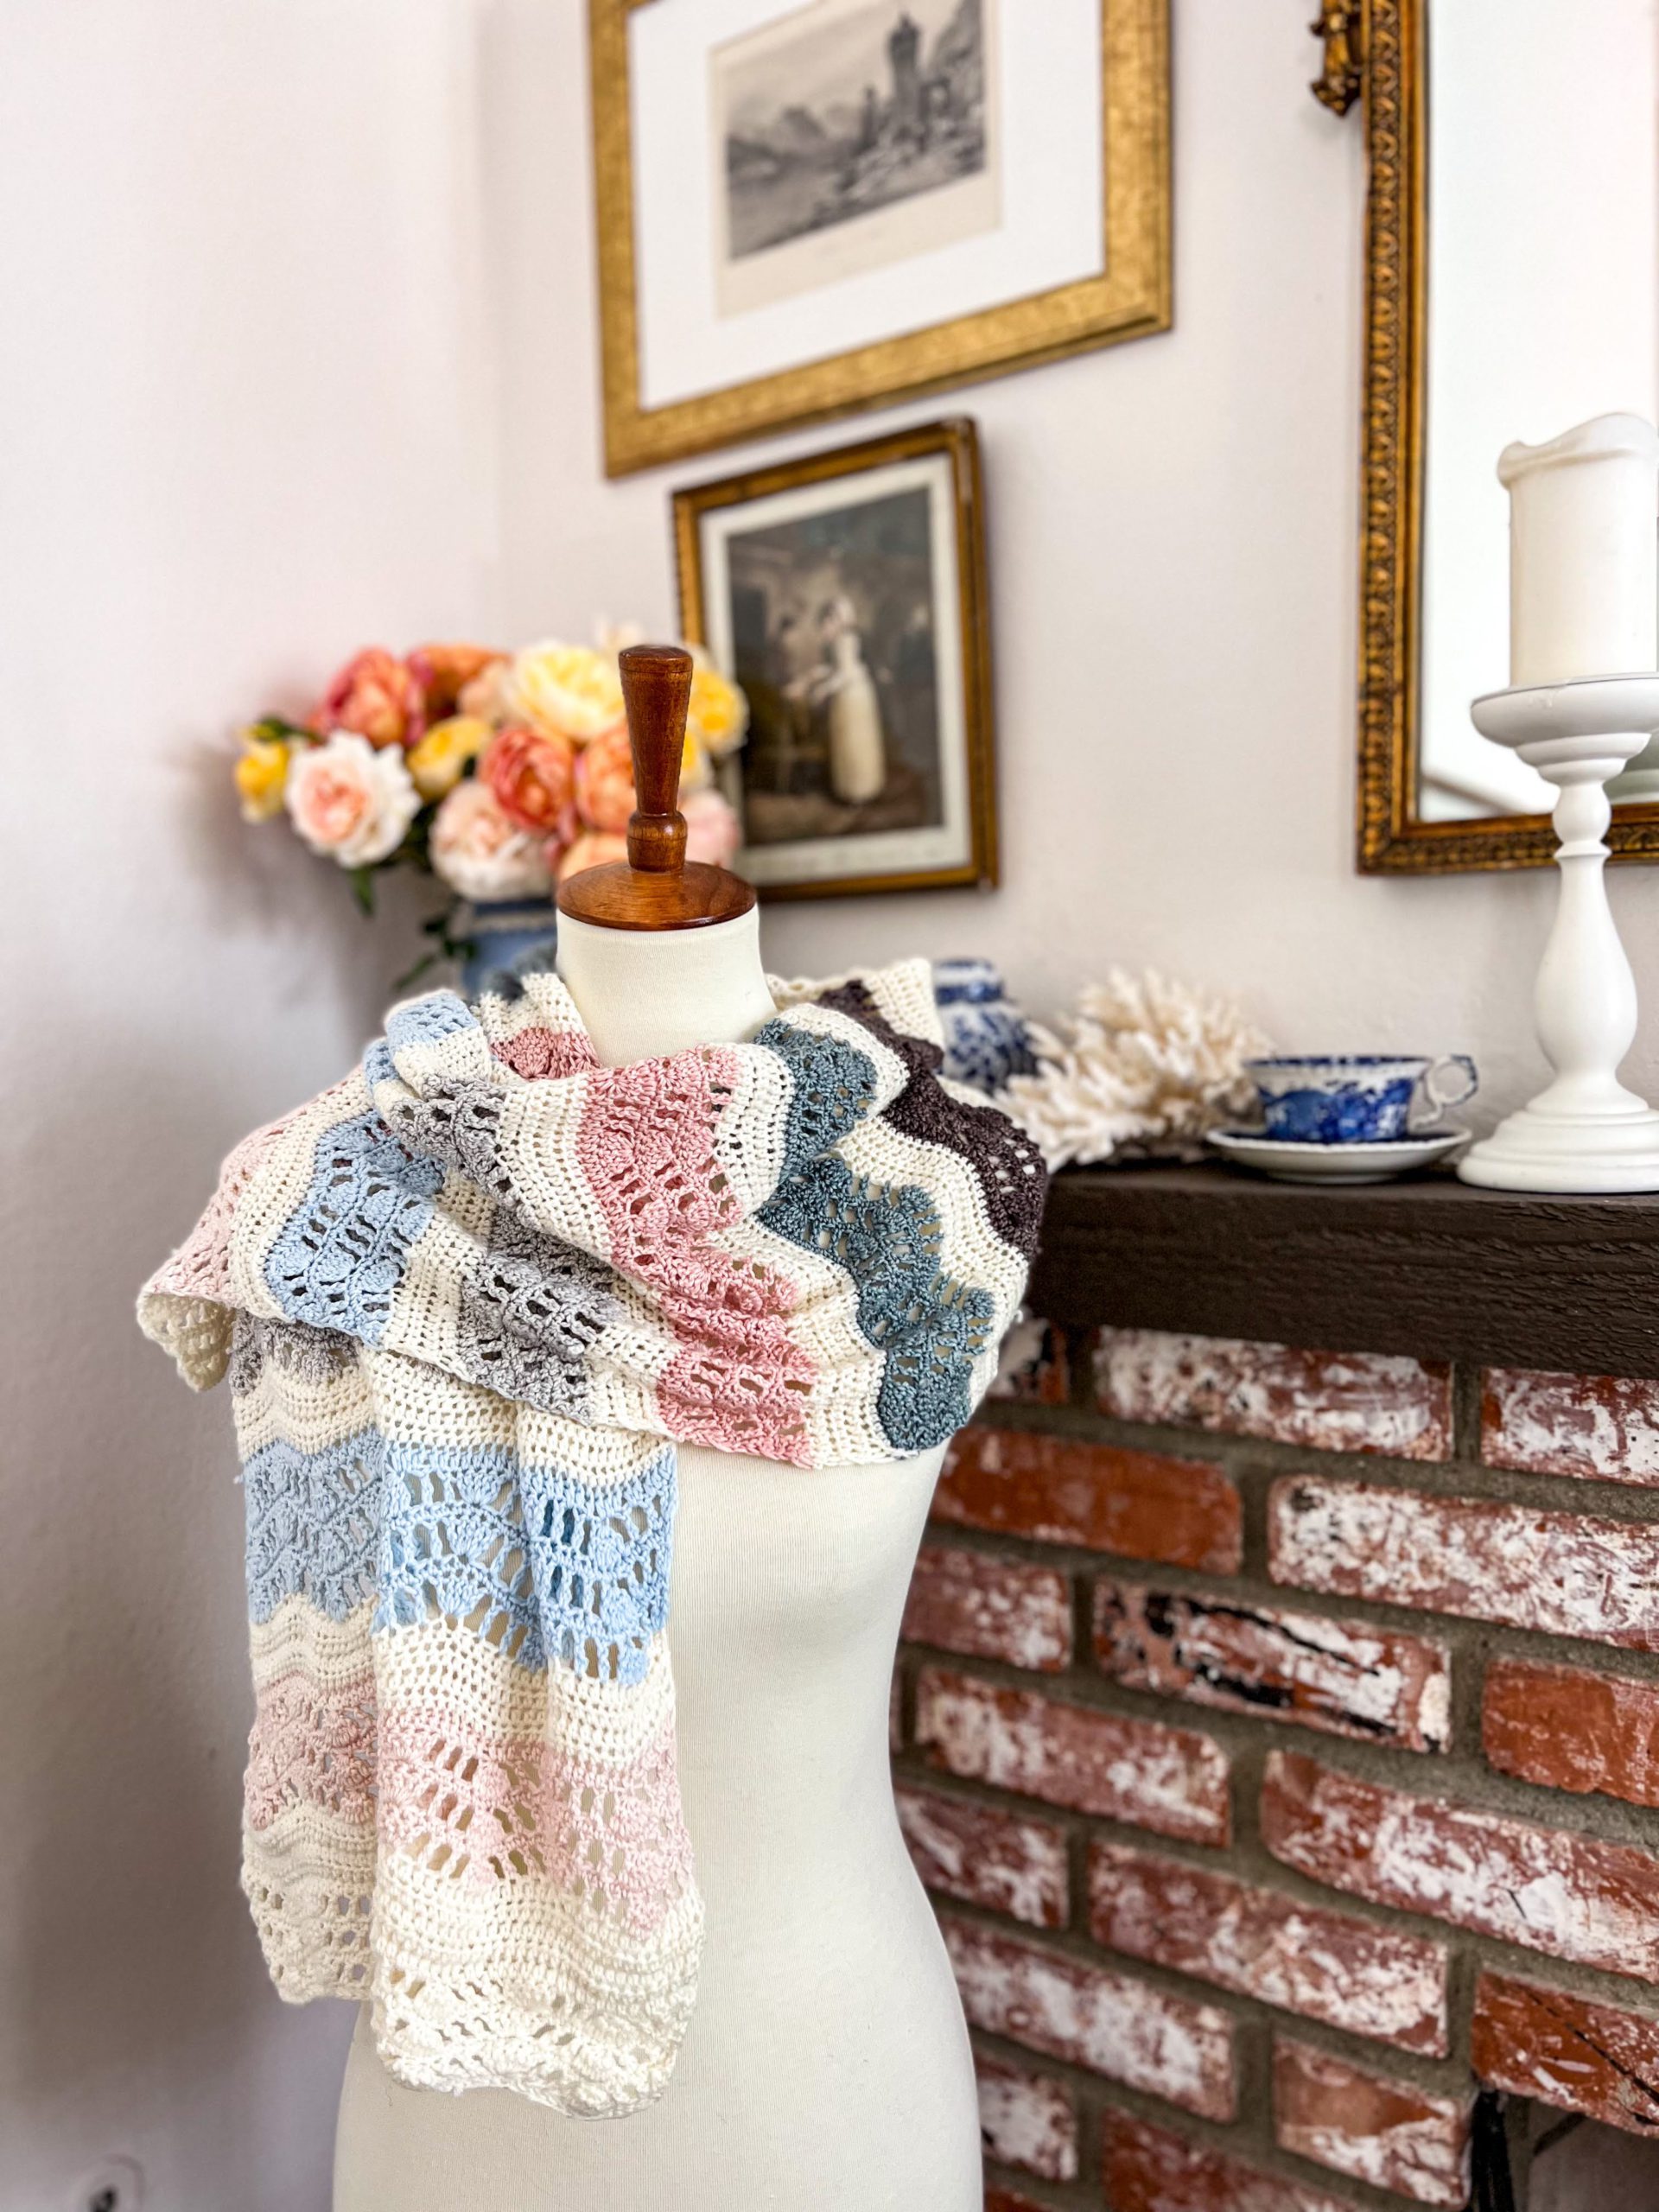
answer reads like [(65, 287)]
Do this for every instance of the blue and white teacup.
[(1359, 1097)]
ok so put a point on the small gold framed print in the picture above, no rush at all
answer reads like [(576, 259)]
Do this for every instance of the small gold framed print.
[(846, 595)]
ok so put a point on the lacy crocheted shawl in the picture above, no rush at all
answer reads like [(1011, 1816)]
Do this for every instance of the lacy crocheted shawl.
[(465, 1299)]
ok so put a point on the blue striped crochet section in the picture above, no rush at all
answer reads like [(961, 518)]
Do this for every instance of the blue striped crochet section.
[(428, 1021), (545, 1567), (341, 1254), (314, 1524), (888, 1238), (833, 1087), (542, 1565)]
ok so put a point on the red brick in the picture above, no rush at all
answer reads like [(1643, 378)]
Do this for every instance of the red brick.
[(1572, 1730), (1355, 1975), (895, 1714), (1589, 1425), (1567, 2051), (1345, 1677), (1091, 2016), (1150, 2169), (1336, 1402), (1561, 1573), (1379, 2130), (1140, 1504), (1572, 1895), (986, 1856), (1026, 2119), (1171, 1780), (1034, 1368), (990, 1608), (1009, 2200)]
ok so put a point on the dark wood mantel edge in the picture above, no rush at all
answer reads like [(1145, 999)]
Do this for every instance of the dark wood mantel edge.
[(1429, 1266)]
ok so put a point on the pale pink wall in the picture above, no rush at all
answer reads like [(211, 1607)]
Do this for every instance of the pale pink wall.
[(243, 431)]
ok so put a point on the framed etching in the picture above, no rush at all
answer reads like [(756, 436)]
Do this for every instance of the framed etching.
[(846, 595), (808, 209)]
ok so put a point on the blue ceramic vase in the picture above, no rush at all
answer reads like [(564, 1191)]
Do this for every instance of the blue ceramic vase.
[(507, 937), (986, 1040)]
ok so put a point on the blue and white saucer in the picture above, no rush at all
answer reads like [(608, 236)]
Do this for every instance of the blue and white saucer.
[(1290, 1160)]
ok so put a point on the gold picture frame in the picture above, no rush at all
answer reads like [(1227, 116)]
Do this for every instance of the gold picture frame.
[(1130, 299), (956, 440), (1392, 77)]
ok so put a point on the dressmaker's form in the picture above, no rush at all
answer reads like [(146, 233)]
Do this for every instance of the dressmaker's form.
[(826, 2067)]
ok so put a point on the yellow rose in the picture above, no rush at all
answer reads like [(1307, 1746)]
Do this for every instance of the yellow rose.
[(718, 713), (437, 762), (695, 771), (261, 775), (563, 691)]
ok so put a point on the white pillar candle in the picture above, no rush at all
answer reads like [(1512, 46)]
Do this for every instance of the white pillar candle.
[(1583, 552)]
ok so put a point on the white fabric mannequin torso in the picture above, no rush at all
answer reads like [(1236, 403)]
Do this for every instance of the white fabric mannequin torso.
[(827, 2067)]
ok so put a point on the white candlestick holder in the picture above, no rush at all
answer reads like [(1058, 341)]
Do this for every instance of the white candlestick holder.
[(1586, 1132)]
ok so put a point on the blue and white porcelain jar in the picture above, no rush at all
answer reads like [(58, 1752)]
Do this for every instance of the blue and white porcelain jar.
[(507, 935), (986, 1039)]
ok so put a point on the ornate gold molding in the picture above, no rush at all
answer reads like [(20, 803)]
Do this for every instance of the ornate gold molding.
[(1342, 77), (1392, 840)]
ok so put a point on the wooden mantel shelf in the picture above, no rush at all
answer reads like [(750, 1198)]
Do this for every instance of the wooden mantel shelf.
[(1428, 1267)]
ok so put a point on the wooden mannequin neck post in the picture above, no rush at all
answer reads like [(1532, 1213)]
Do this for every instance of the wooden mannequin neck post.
[(656, 888)]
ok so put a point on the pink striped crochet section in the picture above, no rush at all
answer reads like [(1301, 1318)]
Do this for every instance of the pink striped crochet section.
[(312, 1746), (472, 1804), (647, 1147), (483, 1809), (546, 1055), (202, 1266)]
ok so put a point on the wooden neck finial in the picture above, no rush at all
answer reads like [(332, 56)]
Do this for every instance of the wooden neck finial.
[(656, 691), (656, 888)]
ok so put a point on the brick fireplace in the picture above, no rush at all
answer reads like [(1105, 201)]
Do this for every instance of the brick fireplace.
[(1277, 1731)]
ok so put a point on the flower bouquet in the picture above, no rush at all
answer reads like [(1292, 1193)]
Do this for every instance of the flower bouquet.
[(498, 773)]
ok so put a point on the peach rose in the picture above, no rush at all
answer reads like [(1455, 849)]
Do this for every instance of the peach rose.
[(486, 697), (349, 801), (480, 851), (604, 795), (533, 777), (377, 697), (444, 672), (593, 849), (712, 833)]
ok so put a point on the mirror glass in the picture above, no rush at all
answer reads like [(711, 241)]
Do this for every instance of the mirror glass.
[(1542, 254)]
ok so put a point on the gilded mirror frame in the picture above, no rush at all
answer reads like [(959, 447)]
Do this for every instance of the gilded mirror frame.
[(1391, 74)]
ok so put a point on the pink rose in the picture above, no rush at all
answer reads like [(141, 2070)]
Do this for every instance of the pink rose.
[(349, 801), (377, 697), (479, 850), (593, 849), (532, 776), (712, 832), (604, 795)]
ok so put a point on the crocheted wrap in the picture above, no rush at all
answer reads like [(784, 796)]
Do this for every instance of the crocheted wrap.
[(467, 1301)]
